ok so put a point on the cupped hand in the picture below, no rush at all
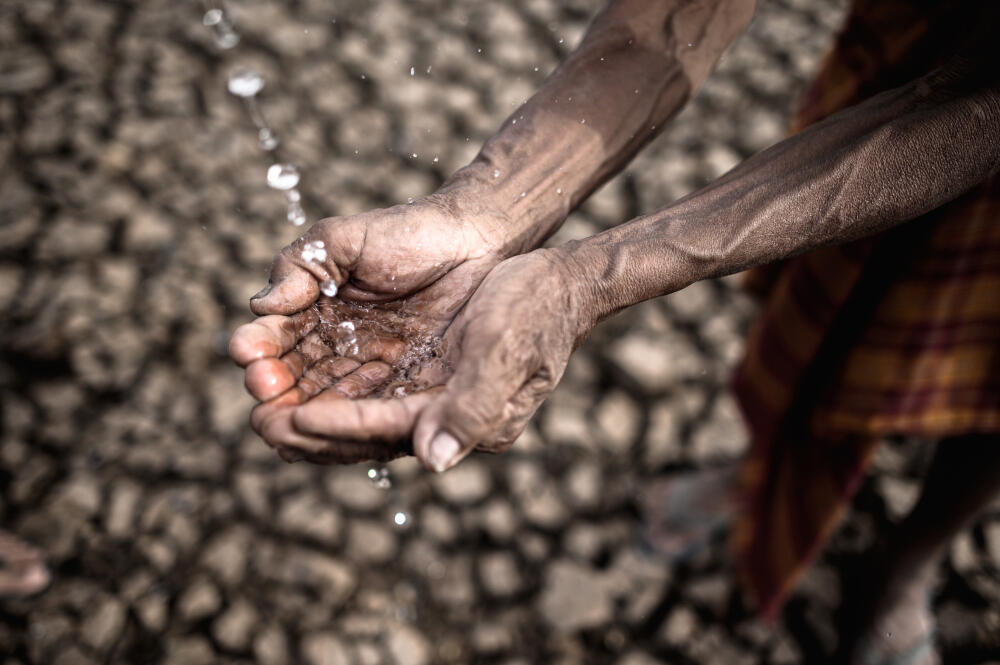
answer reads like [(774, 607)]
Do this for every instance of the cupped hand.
[(401, 275), (499, 359)]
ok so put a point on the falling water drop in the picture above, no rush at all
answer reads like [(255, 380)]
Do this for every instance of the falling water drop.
[(245, 82), (222, 27), (328, 287), (282, 176), (267, 138), (379, 476)]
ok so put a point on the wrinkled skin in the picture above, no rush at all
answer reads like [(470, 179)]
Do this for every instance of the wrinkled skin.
[(480, 385), (404, 273)]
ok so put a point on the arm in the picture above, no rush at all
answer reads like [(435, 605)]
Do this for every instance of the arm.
[(638, 64), (881, 163)]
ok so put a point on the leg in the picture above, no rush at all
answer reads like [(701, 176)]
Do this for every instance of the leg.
[(964, 478)]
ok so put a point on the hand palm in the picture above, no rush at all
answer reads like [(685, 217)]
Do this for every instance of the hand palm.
[(404, 272)]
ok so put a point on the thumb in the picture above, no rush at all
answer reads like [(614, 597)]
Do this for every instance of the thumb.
[(290, 289), (473, 409), (295, 277)]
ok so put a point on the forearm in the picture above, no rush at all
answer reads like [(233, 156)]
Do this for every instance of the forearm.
[(884, 162), (640, 61)]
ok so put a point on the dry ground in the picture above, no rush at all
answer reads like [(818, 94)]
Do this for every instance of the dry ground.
[(134, 225)]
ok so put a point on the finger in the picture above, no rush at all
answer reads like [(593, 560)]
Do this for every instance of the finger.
[(313, 347), (270, 336), (291, 444), (291, 288), (474, 407), (324, 373), (375, 346), (267, 410), (387, 420), (269, 377), (364, 380)]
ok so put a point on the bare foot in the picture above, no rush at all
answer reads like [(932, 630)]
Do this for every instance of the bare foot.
[(23, 571)]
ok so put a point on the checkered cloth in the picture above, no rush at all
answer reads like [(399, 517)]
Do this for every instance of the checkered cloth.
[(893, 335)]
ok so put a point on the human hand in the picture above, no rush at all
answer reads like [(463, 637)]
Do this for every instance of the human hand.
[(402, 274), (499, 359)]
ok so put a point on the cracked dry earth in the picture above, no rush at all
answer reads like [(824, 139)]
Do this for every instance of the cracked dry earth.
[(134, 225)]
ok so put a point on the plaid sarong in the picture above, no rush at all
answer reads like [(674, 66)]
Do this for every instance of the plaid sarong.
[(893, 335)]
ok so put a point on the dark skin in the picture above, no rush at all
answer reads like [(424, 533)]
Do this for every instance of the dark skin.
[(422, 263), (510, 317), (466, 279)]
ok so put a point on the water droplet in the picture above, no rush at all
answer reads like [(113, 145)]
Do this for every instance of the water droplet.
[(363, 77), (559, 190), (479, 50), (267, 139), (637, 91), (523, 194), (379, 475), (496, 173), (411, 71), (400, 518), (293, 196), (409, 199), (282, 176), (560, 41), (346, 325), (413, 155), (536, 69), (314, 251), (222, 27), (328, 287), (212, 17), (245, 82), (435, 160), (583, 121)]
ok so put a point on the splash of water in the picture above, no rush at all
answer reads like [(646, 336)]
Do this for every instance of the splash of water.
[(217, 19)]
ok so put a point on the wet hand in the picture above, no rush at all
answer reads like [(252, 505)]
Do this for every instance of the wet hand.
[(402, 274), (499, 359)]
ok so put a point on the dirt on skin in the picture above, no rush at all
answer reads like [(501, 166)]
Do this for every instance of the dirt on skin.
[(366, 334)]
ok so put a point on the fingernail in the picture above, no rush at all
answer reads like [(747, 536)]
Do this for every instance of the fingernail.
[(444, 451), (263, 292)]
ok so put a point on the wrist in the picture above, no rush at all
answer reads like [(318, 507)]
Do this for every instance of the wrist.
[(619, 268), (521, 208)]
